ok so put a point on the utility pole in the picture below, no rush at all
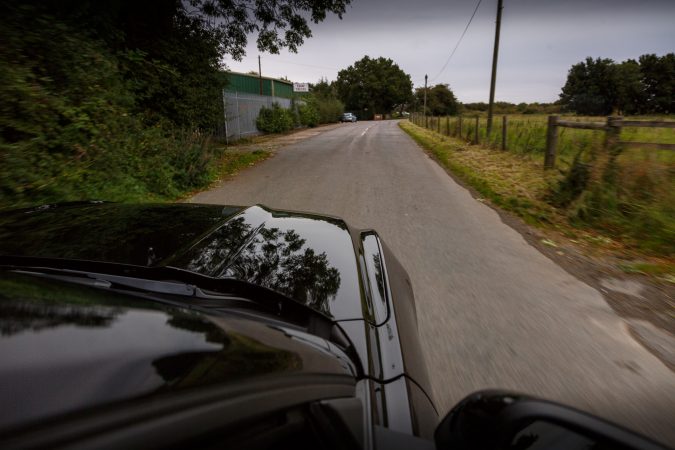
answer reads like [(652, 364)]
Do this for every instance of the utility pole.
[(260, 74), (426, 124), (494, 66)]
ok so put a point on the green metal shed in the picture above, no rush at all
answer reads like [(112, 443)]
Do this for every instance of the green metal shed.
[(249, 83)]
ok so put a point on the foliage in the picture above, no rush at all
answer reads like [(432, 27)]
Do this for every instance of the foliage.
[(68, 130), (510, 108), (634, 197), (441, 100), (591, 87), (275, 119), (233, 160), (509, 181), (373, 86), (323, 97), (600, 86), (323, 89), (309, 116), (658, 79), (278, 23), (116, 100), (174, 48), (630, 92), (329, 109)]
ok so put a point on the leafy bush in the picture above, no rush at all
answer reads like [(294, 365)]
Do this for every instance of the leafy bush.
[(308, 115), (329, 109), (69, 129), (275, 119)]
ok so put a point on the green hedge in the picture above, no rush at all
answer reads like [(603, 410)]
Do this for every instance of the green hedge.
[(308, 115), (275, 119), (70, 129)]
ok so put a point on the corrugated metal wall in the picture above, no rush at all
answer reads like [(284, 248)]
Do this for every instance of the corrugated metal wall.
[(239, 82), (242, 109)]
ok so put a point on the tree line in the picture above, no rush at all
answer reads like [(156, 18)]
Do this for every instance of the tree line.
[(597, 86), (601, 86)]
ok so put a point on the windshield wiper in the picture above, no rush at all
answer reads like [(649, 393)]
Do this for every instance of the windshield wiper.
[(169, 281), (102, 280), (188, 289)]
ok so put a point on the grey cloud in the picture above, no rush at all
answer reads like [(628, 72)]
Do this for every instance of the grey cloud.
[(541, 39)]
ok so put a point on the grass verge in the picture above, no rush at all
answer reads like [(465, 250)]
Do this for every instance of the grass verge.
[(233, 161), (509, 181), (517, 183)]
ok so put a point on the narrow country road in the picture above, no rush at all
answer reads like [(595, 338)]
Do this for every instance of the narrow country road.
[(493, 311)]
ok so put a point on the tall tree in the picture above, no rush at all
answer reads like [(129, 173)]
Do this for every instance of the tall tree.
[(441, 100), (323, 88), (591, 87), (170, 51), (630, 95), (276, 23), (658, 79), (373, 86)]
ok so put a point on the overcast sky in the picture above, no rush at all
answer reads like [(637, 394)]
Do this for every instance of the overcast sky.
[(540, 40)]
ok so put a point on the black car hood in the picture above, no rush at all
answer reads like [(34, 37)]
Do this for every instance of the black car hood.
[(66, 347), (306, 257)]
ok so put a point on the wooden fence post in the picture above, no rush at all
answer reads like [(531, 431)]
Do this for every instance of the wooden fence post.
[(447, 125), (613, 132), (504, 133), (551, 142), (459, 128), (438, 127), (475, 136)]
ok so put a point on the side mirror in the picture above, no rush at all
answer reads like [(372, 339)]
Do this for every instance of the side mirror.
[(496, 420)]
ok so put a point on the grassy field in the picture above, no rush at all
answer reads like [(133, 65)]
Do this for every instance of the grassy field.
[(526, 135), (634, 202)]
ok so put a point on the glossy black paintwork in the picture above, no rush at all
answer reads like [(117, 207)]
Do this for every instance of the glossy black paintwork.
[(348, 276), (141, 235), (308, 258), (66, 347)]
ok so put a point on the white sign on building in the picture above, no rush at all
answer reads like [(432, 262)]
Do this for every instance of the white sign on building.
[(300, 87)]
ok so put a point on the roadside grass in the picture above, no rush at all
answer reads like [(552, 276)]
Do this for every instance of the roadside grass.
[(526, 135), (510, 181), (234, 161), (516, 182), (217, 162)]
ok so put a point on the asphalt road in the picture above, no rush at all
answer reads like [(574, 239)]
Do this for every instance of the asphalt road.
[(493, 311)]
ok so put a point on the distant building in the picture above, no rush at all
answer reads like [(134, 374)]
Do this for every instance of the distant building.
[(250, 84)]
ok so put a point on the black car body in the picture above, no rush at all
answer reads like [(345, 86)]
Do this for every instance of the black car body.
[(126, 324), (202, 326)]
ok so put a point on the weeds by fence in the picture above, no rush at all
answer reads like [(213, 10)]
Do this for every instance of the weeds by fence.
[(617, 175), (528, 134)]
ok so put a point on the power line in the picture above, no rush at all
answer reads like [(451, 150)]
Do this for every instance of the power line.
[(306, 65), (458, 42)]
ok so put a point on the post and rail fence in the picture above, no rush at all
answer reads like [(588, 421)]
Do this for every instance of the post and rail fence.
[(472, 134), (612, 128)]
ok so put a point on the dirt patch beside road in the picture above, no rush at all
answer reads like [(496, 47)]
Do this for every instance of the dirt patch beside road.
[(273, 142)]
